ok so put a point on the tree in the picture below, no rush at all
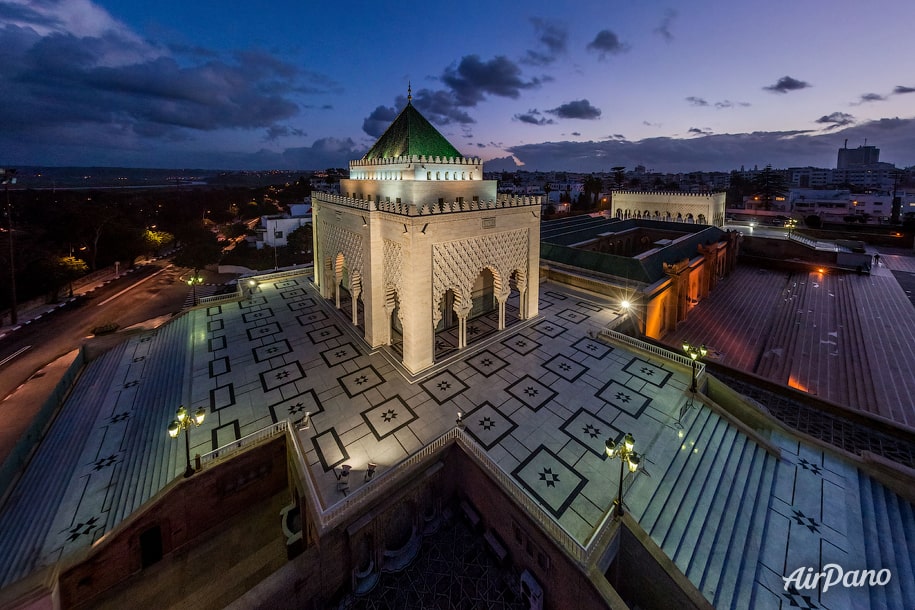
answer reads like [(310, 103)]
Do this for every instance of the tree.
[(739, 188), (155, 240), (768, 185), (619, 175), (591, 188), (200, 248), (67, 269), (300, 240)]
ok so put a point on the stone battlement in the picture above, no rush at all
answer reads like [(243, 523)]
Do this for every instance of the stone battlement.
[(666, 193), (415, 159), (430, 208)]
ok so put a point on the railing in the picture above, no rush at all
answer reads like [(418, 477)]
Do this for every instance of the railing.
[(276, 275), (565, 540), (222, 298), (802, 239), (654, 349), (351, 504), (217, 455), (382, 484)]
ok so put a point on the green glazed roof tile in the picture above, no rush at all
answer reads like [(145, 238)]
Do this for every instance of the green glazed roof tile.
[(411, 134)]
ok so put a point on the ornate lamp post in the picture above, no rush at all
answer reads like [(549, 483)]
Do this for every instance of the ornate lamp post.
[(694, 354), (8, 177), (192, 282), (184, 422), (626, 454)]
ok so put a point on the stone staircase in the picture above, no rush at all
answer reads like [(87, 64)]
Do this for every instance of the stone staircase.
[(889, 542), (707, 509), (29, 512), (151, 458)]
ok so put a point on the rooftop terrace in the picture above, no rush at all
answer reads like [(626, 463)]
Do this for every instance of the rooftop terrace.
[(734, 510)]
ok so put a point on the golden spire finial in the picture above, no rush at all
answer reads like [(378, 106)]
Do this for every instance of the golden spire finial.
[(409, 92)]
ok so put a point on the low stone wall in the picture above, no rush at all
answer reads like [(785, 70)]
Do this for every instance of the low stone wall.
[(183, 511)]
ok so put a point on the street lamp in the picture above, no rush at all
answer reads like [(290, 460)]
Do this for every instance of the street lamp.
[(626, 454), (192, 282), (8, 177), (694, 354), (184, 422)]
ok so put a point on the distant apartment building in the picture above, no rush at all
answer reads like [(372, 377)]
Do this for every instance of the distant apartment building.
[(878, 204), (857, 157)]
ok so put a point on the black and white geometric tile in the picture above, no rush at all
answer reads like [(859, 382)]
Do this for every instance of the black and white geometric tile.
[(340, 354), (443, 387), (624, 398), (295, 407), (648, 371), (487, 425), (551, 481), (590, 431), (565, 367), (486, 363), (531, 392), (388, 417), (282, 375), (360, 381)]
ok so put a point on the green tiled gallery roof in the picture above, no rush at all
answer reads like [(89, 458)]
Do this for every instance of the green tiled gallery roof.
[(411, 134)]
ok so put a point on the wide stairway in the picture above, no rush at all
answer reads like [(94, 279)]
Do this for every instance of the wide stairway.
[(889, 543), (705, 504)]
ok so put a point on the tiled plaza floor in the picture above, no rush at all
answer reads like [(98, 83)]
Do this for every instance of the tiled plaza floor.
[(541, 398)]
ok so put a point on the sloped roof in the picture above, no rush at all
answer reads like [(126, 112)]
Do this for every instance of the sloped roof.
[(411, 134)]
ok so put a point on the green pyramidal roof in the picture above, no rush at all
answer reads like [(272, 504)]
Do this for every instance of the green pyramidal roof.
[(411, 134)]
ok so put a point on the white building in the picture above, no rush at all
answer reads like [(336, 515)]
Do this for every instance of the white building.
[(417, 241), (273, 231)]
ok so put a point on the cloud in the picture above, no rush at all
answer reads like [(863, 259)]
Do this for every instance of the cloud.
[(607, 43), (379, 120), (835, 120), (578, 109), (729, 104), (900, 89), (870, 97), (553, 39), (786, 84), (533, 117), (722, 152), (723, 104), (663, 29), (274, 132), (701, 132), (472, 79), (576, 133), (73, 76)]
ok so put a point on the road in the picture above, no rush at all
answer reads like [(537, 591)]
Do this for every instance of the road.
[(152, 291)]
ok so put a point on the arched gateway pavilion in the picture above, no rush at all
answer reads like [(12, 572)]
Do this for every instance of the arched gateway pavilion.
[(418, 243)]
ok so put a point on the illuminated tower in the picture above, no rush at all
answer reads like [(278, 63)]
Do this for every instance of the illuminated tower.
[(417, 240)]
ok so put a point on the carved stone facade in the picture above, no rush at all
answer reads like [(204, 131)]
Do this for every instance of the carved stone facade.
[(699, 208), (414, 239)]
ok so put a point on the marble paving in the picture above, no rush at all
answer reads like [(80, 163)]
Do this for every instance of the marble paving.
[(541, 398)]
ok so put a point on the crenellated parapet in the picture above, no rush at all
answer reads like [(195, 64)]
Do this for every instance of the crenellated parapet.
[(357, 163), (429, 208), (668, 193)]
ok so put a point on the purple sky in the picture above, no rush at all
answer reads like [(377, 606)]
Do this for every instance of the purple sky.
[(542, 85)]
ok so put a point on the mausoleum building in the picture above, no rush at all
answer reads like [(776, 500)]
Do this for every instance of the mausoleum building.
[(417, 241)]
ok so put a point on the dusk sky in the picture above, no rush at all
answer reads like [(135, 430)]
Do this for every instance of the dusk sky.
[(673, 86)]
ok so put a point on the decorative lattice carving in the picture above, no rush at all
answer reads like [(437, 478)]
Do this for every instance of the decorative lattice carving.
[(456, 264), (393, 277), (334, 240)]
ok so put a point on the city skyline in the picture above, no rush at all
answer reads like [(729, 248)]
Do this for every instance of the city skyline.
[(530, 86)]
